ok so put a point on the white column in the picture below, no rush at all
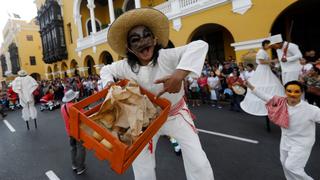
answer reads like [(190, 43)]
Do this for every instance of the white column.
[(137, 3), (91, 7), (111, 11), (79, 25)]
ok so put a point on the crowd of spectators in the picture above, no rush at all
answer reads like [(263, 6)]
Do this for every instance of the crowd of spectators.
[(216, 84), (53, 88)]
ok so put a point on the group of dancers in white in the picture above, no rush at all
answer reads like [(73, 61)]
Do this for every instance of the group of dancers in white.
[(266, 95)]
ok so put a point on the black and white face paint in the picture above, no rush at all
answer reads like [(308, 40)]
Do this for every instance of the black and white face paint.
[(141, 42)]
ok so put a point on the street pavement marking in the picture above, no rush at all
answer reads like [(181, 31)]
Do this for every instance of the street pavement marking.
[(229, 136), (9, 126), (51, 175)]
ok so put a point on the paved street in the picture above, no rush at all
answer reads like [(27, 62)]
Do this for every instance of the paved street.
[(28, 155)]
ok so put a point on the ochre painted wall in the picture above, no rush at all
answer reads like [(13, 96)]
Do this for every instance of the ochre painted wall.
[(30, 48), (151, 3), (85, 15), (255, 23), (102, 14)]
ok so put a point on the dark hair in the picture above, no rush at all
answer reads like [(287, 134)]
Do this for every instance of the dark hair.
[(294, 83), (236, 69), (250, 65), (134, 62), (264, 42)]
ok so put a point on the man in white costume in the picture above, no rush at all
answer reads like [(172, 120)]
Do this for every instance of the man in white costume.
[(139, 35), (24, 85), (298, 138), (289, 57)]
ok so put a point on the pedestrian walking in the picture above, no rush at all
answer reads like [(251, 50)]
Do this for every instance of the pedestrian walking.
[(78, 152)]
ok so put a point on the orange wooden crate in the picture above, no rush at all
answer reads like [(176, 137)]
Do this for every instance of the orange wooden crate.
[(121, 155)]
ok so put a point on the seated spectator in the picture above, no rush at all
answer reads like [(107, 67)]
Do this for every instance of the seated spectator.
[(226, 70), (214, 87), (203, 85), (249, 72), (235, 98), (312, 81), (13, 98), (311, 56), (194, 91), (306, 67), (242, 71)]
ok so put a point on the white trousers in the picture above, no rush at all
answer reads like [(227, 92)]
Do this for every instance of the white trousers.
[(294, 161), (290, 76), (28, 111), (196, 163)]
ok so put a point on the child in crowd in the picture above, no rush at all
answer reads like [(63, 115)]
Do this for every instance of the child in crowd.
[(78, 152)]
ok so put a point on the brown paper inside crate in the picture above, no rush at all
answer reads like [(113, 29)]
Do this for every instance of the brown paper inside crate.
[(125, 112)]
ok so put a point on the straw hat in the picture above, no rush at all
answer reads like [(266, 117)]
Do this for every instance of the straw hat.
[(155, 20), (22, 73), (70, 95), (275, 39)]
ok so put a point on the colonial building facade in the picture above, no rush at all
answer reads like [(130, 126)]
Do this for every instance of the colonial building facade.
[(52, 32), (233, 28), (21, 49)]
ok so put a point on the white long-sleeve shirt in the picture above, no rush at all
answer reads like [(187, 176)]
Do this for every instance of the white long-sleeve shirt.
[(302, 127), (189, 57), (293, 57)]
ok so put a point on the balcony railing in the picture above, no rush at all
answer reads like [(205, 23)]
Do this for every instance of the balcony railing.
[(178, 8), (172, 9), (92, 40)]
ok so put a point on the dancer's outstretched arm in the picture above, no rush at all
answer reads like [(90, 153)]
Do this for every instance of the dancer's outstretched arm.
[(259, 94)]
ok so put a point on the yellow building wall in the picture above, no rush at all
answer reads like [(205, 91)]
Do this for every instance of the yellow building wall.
[(151, 3), (118, 4), (255, 23), (228, 50), (102, 14), (30, 48), (85, 15)]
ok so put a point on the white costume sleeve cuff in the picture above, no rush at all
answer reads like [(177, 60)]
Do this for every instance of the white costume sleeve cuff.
[(193, 58)]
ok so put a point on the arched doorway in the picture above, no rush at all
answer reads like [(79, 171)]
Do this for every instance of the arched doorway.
[(14, 57), (49, 72), (89, 26), (298, 23), (56, 71), (89, 62), (64, 69), (219, 40), (36, 76), (4, 65), (74, 66), (105, 58)]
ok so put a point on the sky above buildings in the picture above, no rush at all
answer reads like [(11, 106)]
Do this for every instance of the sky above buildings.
[(26, 9)]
